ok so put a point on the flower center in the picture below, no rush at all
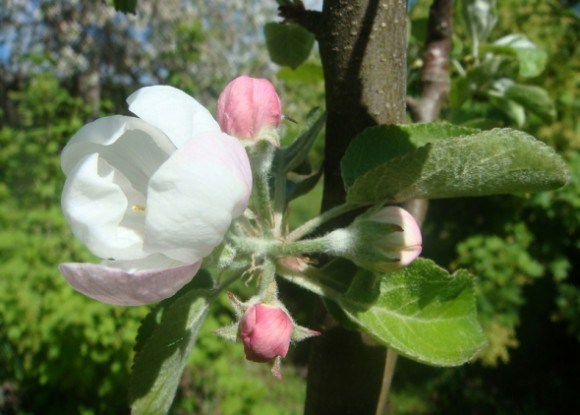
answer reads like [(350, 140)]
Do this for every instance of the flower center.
[(138, 208)]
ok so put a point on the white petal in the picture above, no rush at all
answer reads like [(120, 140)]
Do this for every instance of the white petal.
[(172, 111), (194, 196), (125, 140), (115, 286), (97, 201), (151, 262)]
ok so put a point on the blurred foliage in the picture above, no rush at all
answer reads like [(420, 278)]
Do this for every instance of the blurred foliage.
[(54, 343), (502, 79), (524, 250), (61, 352)]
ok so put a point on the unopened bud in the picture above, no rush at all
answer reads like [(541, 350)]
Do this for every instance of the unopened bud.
[(382, 241), (250, 109), (265, 331)]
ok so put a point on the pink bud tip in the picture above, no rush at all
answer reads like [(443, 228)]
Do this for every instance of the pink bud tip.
[(265, 331), (409, 240), (247, 106)]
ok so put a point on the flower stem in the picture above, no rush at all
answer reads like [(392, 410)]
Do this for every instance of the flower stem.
[(261, 156), (272, 248), (388, 373), (324, 217), (268, 275), (279, 201)]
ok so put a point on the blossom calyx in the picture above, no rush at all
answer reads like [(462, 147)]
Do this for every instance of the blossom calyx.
[(250, 109), (381, 241)]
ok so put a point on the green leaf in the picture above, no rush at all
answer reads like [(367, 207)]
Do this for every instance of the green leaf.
[(534, 99), (288, 158), (478, 79), (288, 44), (514, 111), (125, 6), (304, 185), (532, 60), (424, 313), (164, 348), (500, 161), (377, 145), (307, 72), (203, 280)]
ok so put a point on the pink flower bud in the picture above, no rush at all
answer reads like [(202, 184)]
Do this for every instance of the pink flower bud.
[(265, 331), (382, 241), (247, 106), (406, 240)]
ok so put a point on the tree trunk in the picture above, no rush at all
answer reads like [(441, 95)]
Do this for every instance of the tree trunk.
[(363, 51)]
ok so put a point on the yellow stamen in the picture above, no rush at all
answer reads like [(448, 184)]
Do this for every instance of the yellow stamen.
[(138, 208)]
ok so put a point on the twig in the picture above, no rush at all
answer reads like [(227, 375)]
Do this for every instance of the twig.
[(435, 73), (296, 13)]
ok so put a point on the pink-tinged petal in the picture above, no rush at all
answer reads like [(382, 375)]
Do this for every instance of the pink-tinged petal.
[(248, 105), (174, 112), (411, 234), (397, 243), (195, 195), (119, 287), (409, 254)]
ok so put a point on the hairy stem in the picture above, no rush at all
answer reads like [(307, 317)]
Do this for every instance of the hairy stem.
[(321, 219)]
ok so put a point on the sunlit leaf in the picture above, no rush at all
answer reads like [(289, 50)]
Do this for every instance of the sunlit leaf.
[(500, 161), (424, 313), (377, 145)]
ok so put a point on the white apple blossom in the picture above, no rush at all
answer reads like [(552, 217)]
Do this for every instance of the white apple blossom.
[(151, 196)]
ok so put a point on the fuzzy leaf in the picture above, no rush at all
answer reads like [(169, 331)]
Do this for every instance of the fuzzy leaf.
[(424, 313), (500, 161), (163, 349), (377, 145)]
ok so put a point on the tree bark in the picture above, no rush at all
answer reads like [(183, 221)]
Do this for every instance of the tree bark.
[(363, 52)]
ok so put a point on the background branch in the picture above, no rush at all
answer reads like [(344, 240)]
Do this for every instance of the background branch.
[(296, 13), (435, 73)]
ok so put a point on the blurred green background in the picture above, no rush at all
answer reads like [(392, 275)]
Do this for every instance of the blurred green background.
[(67, 62)]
